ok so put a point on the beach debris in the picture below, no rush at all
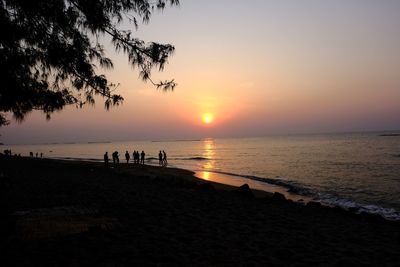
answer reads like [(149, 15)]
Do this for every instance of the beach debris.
[(277, 197), (244, 191)]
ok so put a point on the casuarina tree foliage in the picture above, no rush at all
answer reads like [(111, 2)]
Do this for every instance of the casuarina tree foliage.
[(51, 52)]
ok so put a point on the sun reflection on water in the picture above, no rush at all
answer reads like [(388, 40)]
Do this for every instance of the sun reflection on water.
[(209, 153), (205, 175)]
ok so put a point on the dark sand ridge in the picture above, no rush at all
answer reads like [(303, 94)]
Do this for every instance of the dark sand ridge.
[(58, 213), (256, 186)]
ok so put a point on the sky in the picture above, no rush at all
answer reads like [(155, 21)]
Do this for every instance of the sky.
[(245, 69)]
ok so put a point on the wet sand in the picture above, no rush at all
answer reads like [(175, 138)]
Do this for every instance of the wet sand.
[(237, 181), (61, 213)]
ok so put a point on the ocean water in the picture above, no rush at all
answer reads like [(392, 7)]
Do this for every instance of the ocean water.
[(359, 171)]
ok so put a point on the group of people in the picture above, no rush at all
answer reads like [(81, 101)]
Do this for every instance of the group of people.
[(37, 154), (7, 153), (162, 158), (138, 158), (115, 158)]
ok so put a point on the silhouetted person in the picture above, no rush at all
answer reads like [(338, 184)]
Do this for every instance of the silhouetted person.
[(41, 155), (160, 159), (142, 157), (106, 159), (31, 154), (137, 157), (37, 154), (127, 157), (115, 158), (165, 161)]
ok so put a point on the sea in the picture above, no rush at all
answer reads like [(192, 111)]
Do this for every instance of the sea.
[(357, 171)]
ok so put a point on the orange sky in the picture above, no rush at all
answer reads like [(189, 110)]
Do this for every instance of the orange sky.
[(257, 68)]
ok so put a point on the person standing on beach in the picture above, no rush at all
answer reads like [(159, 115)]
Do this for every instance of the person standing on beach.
[(160, 159), (142, 157), (127, 157), (106, 159), (165, 162), (115, 157)]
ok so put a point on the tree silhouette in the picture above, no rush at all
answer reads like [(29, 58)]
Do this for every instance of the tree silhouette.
[(50, 52)]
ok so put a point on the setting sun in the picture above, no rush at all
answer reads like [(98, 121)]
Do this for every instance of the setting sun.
[(207, 118)]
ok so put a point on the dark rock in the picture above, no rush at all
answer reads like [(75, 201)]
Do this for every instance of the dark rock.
[(278, 197), (244, 191), (293, 190)]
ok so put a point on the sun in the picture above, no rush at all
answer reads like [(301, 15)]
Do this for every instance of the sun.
[(207, 118)]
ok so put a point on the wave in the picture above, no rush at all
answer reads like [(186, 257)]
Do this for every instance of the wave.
[(197, 158), (327, 199), (390, 135), (78, 159), (191, 158), (291, 186), (178, 140), (348, 204)]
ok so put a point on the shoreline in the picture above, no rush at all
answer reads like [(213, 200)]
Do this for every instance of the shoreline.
[(221, 180), (227, 181), (238, 181), (269, 187), (80, 213)]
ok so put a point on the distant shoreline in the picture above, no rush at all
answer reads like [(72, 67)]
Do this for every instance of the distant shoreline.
[(390, 135), (378, 133)]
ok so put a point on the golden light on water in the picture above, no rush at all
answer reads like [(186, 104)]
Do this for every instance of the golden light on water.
[(205, 175), (208, 154)]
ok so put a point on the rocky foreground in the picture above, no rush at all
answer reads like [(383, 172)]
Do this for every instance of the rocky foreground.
[(60, 213)]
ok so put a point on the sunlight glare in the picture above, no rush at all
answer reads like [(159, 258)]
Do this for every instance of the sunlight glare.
[(207, 118)]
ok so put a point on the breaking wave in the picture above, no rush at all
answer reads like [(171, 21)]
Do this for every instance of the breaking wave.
[(322, 197)]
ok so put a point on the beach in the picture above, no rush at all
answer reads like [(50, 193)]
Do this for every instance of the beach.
[(70, 213)]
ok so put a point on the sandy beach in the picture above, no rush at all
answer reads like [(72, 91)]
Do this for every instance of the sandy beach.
[(67, 213)]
